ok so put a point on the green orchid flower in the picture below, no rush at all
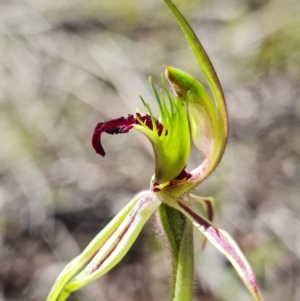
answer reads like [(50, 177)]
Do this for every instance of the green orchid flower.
[(191, 114)]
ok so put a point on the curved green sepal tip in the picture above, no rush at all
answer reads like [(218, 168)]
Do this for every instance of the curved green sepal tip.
[(214, 84)]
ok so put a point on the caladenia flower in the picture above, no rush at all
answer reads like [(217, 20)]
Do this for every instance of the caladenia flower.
[(169, 135), (191, 114)]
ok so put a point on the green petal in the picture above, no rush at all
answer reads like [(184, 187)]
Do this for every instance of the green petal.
[(227, 246), (107, 248), (118, 244), (208, 204)]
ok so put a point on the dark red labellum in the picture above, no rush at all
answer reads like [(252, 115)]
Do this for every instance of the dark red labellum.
[(120, 126)]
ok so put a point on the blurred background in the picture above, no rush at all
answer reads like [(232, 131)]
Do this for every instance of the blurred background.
[(66, 65)]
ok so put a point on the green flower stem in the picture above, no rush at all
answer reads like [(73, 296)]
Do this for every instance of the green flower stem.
[(185, 266), (64, 296), (179, 235)]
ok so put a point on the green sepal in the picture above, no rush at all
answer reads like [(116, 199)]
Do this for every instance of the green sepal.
[(202, 114), (215, 87)]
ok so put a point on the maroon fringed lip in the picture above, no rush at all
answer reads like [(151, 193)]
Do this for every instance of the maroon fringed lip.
[(121, 125)]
